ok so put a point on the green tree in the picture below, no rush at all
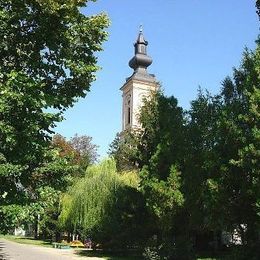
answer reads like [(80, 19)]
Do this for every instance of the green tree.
[(221, 177), (162, 134), (160, 150), (106, 206), (47, 62), (201, 160), (239, 146), (124, 150), (158, 143), (156, 149), (258, 7)]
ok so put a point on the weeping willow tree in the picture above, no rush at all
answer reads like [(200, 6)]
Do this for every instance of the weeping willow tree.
[(105, 205)]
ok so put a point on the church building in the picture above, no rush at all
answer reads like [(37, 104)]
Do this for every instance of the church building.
[(138, 86)]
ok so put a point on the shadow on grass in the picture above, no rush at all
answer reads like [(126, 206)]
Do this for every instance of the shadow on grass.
[(109, 255)]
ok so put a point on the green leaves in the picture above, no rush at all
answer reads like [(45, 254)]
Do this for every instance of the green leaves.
[(104, 205), (124, 149), (47, 60), (23, 125), (7, 170), (54, 44), (214, 148), (164, 198), (223, 152)]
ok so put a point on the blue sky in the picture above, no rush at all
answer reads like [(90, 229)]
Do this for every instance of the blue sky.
[(193, 43)]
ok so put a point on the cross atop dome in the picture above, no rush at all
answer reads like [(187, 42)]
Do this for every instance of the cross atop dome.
[(141, 28)]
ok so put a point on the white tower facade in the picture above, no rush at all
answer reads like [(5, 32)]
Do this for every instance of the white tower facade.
[(138, 86)]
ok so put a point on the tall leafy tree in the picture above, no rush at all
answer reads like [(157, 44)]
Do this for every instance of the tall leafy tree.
[(161, 139), (239, 146), (160, 153), (221, 176), (106, 206), (47, 61), (124, 150), (85, 148), (157, 149), (201, 160)]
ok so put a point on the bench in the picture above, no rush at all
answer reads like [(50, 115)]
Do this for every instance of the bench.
[(60, 246)]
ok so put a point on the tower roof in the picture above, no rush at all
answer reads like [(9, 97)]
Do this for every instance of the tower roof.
[(141, 61)]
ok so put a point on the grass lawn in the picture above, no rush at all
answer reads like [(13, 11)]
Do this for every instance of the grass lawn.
[(107, 255), (111, 256), (37, 242), (27, 240), (210, 256), (89, 253)]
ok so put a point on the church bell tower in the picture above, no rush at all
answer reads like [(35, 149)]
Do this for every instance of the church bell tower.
[(138, 86)]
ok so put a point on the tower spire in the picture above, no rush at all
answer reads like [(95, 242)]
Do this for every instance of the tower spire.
[(141, 61)]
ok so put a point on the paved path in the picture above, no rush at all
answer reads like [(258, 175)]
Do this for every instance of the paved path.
[(14, 251)]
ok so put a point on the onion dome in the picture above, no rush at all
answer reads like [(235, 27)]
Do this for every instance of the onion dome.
[(141, 60)]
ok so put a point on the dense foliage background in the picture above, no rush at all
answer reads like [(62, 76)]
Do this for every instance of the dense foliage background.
[(169, 189), (47, 61), (199, 169)]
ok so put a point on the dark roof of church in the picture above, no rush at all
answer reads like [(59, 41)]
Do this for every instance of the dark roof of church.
[(141, 61)]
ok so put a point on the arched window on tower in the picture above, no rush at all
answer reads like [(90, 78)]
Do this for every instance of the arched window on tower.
[(127, 113)]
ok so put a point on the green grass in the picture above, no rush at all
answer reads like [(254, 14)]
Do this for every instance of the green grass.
[(210, 256), (88, 253), (107, 255), (207, 258), (111, 256), (37, 242), (27, 240)]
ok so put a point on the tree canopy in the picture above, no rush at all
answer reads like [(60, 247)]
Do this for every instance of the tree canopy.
[(200, 168), (105, 206), (47, 61)]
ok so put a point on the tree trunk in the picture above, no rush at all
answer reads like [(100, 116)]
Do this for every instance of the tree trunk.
[(36, 227)]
